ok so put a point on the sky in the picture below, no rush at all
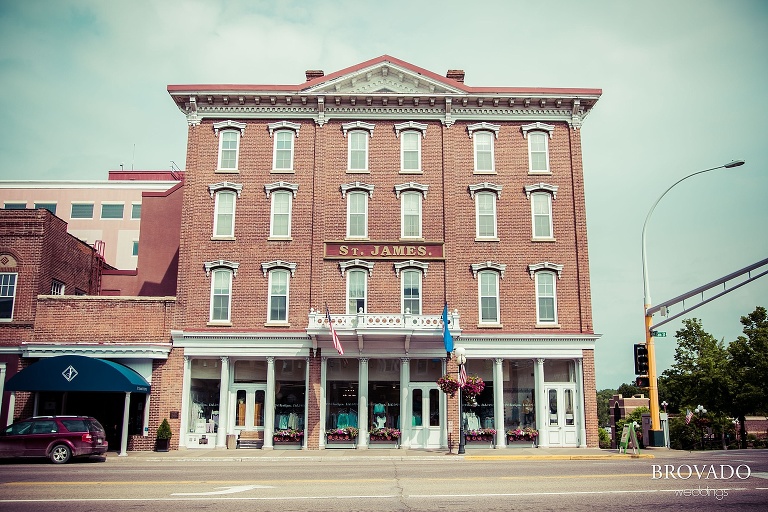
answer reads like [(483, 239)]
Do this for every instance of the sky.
[(685, 88)]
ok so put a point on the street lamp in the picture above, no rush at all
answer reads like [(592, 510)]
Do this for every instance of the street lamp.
[(461, 358), (656, 435)]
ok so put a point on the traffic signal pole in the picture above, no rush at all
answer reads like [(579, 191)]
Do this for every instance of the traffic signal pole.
[(653, 388)]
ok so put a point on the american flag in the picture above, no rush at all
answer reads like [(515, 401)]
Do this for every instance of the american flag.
[(336, 342), (462, 375), (688, 416)]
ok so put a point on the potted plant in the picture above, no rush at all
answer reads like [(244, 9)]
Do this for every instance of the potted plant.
[(164, 435), (472, 388), (448, 385), (522, 436)]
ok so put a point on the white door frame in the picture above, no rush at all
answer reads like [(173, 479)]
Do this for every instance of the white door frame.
[(562, 419), (428, 434)]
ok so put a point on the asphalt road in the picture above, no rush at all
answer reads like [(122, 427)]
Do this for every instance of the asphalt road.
[(732, 480)]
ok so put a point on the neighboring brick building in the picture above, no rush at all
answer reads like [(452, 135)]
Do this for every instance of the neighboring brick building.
[(382, 192), (103, 213), (386, 198)]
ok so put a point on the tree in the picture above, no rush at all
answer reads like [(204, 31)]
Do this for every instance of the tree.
[(748, 367), (603, 415), (628, 390), (700, 374)]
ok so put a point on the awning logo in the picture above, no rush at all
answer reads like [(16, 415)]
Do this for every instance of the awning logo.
[(70, 373)]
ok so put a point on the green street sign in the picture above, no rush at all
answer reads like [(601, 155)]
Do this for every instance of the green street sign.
[(658, 334)]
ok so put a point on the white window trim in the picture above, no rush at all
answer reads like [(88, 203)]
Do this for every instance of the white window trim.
[(492, 170), (111, 203), (290, 168), (365, 289), (82, 203), (282, 186), (217, 195), (43, 204), (403, 197), (135, 203), (271, 273), (12, 297), (224, 127), (475, 192), (418, 169), (538, 128), (20, 203), (364, 236), (221, 321), (497, 275), (366, 167), (405, 272), (57, 287), (534, 236), (539, 321)]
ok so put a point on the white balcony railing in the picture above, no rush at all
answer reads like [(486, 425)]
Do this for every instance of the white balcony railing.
[(427, 324)]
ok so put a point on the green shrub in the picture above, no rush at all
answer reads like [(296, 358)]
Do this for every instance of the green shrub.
[(164, 430)]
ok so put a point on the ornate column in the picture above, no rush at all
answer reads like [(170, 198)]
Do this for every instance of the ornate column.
[(498, 401), (221, 432), (541, 404), (362, 408), (269, 405)]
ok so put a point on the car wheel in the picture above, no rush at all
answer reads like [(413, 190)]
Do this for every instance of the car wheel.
[(60, 454)]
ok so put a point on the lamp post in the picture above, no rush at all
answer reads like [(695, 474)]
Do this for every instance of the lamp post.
[(461, 358), (701, 411), (656, 436)]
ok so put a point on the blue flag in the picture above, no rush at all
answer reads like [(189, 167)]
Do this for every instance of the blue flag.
[(447, 338)]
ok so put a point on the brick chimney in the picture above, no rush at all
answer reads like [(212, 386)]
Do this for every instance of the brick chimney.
[(456, 74), (314, 73)]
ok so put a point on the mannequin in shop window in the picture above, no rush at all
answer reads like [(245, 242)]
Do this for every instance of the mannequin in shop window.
[(527, 411)]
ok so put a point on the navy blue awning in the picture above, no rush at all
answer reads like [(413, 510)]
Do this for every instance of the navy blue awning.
[(77, 373)]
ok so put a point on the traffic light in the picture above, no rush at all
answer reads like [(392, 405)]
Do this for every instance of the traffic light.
[(643, 382), (641, 359)]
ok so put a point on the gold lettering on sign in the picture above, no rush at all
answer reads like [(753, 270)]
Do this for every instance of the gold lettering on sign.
[(343, 250)]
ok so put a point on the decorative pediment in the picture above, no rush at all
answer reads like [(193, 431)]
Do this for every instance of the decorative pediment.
[(266, 267), (545, 265), (383, 78)]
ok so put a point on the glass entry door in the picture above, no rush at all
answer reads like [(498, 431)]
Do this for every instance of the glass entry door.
[(424, 421), (560, 420), (249, 407)]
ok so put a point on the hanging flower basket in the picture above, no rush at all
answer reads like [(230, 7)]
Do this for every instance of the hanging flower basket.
[(448, 384), (472, 388)]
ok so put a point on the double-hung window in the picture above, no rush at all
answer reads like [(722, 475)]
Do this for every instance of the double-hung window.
[(357, 214), (283, 160), (546, 299), (410, 151), (411, 214), (483, 136), (357, 291), (281, 214), (358, 151), (7, 295), (483, 152), (488, 291), (485, 211), (221, 295), (224, 217), (411, 280), (278, 295), (541, 209), (538, 135), (229, 134), (229, 149)]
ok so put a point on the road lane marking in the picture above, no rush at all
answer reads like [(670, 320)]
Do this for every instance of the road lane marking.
[(224, 490)]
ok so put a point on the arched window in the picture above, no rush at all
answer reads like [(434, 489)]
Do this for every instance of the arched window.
[(357, 291)]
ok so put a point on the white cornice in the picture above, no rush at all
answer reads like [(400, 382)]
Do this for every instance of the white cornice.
[(107, 350)]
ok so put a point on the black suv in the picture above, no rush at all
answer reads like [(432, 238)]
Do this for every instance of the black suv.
[(57, 437)]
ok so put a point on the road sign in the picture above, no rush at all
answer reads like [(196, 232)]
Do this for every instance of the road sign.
[(659, 334)]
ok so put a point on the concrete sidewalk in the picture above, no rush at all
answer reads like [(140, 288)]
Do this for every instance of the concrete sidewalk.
[(223, 454)]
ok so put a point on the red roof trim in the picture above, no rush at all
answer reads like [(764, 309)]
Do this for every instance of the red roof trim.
[(235, 88)]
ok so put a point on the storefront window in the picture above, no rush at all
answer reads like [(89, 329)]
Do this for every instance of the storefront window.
[(519, 394), (204, 396), (341, 393), (290, 394), (426, 370), (559, 370), (478, 413), (384, 393)]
